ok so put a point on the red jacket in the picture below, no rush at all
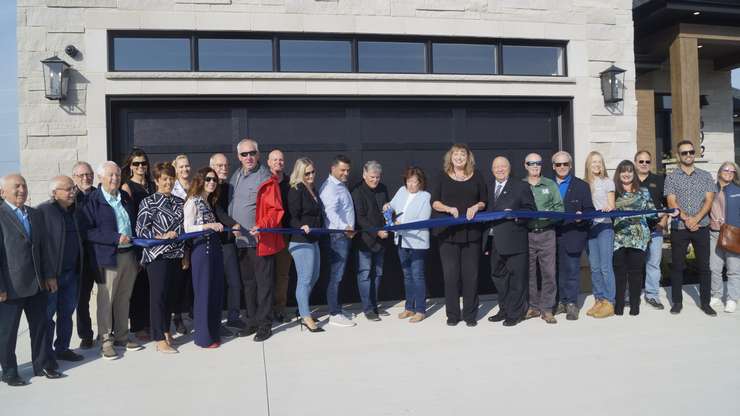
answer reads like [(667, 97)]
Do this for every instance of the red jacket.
[(269, 215)]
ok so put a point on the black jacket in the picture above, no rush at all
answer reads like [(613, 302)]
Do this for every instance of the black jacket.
[(369, 214), (102, 228), (572, 235), (304, 210), (56, 234), (510, 236), (222, 212)]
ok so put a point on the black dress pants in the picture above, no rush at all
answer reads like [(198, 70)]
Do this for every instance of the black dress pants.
[(164, 276), (460, 268), (629, 266), (258, 279), (87, 281), (680, 240), (139, 304), (510, 275), (10, 318)]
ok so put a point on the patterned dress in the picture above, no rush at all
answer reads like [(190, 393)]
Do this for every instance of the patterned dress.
[(633, 232), (159, 214)]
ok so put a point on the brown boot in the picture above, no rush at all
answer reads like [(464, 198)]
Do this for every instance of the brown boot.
[(594, 308), (418, 317), (532, 313), (405, 314), (549, 318), (606, 310)]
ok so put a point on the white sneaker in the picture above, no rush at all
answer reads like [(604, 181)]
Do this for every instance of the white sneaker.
[(731, 306), (715, 302), (341, 320)]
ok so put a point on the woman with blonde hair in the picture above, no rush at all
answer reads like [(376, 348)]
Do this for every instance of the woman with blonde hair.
[(305, 211), (600, 247), (725, 210), (182, 170), (460, 190)]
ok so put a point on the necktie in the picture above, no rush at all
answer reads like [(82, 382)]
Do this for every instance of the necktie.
[(24, 221), (499, 187)]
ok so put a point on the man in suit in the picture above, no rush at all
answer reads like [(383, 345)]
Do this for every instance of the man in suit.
[(25, 278), (509, 243), (572, 234)]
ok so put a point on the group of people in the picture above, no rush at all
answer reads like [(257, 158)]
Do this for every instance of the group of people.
[(52, 255)]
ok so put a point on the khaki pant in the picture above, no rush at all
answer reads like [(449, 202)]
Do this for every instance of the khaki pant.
[(114, 296), (283, 260)]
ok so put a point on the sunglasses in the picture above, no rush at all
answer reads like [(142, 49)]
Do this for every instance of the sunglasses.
[(561, 164), (643, 162), (137, 164), (309, 173), (251, 153), (210, 179), (533, 163), (688, 152), (727, 170)]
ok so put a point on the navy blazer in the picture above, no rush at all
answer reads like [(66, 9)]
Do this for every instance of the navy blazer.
[(102, 228), (572, 236), (510, 236)]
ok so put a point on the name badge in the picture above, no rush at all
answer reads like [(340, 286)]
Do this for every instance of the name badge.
[(546, 191)]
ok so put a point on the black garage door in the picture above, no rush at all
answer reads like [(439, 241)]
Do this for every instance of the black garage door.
[(397, 132)]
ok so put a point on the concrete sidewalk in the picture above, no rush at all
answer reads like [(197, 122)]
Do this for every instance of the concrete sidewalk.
[(653, 364)]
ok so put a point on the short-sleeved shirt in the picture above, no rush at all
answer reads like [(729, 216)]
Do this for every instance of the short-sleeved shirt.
[(599, 195), (461, 195), (546, 198), (690, 191)]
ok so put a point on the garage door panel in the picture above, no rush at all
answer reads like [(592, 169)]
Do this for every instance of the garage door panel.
[(518, 128), (296, 127), (426, 125), (153, 128)]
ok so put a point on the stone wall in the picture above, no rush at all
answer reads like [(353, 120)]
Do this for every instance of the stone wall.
[(53, 137)]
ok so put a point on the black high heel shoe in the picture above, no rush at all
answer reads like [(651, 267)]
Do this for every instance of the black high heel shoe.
[(302, 324)]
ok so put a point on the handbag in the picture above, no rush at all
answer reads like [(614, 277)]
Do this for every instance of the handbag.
[(729, 238)]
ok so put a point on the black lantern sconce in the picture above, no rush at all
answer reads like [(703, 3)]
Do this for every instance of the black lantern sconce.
[(612, 84), (56, 78)]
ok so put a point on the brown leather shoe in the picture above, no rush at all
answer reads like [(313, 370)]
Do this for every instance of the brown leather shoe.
[(606, 310), (405, 314), (532, 313), (594, 308), (418, 317), (549, 318)]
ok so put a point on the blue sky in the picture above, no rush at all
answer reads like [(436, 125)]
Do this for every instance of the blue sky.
[(8, 101)]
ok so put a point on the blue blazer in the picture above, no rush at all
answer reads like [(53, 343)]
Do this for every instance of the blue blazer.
[(102, 228), (418, 210), (572, 236)]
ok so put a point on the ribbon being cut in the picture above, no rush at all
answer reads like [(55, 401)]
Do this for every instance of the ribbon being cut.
[(481, 217)]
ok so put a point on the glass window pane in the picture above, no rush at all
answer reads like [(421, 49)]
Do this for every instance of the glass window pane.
[(235, 54), (459, 58), (151, 54), (533, 60), (316, 55), (392, 57)]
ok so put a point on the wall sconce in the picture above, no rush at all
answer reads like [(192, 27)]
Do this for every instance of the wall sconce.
[(56, 78), (612, 84)]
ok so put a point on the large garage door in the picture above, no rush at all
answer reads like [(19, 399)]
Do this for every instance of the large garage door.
[(396, 132)]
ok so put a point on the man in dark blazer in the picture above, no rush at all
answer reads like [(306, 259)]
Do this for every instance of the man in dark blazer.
[(572, 234), (25, 277), (66, 256), (509, 244)]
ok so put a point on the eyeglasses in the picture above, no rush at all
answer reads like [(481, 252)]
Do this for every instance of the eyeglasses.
[(309, 173), (84, 175), (561, 164), (688, 152), (251, 153), (137, 164), (728, 170), (643, 162), (210, 179), (533, 163)]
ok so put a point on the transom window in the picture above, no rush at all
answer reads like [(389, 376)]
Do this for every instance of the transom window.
[(269, 52)]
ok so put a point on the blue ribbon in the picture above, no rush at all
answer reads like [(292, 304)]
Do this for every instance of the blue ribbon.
[(480, 217)]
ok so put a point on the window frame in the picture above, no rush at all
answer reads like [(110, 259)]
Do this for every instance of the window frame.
[(354, 40), (196, 60)]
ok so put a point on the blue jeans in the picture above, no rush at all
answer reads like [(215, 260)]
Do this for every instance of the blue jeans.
[(412, 264), (600, 254), (652, 266), (62, 303), (339, 246), (307, 263), (369, 275)]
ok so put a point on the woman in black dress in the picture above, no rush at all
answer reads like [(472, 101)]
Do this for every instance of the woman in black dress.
[(460, 190), (137, 183)]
